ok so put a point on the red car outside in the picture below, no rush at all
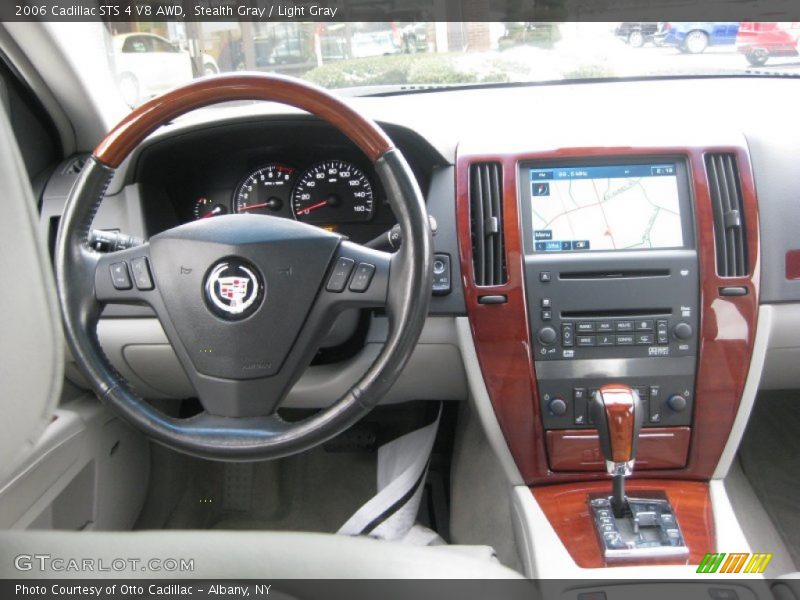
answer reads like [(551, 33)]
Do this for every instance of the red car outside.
[(760, 41)]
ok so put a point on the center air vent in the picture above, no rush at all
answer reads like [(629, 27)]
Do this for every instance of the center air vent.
[(486, 221), (729, 227)]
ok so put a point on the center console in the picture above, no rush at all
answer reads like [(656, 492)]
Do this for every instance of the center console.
[(612, 285), (615, 268)]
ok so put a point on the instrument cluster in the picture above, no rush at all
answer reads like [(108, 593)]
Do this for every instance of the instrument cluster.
[(328, 193)]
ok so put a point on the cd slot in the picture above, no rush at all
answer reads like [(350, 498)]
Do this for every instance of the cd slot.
[(615, 314), (615, 274)]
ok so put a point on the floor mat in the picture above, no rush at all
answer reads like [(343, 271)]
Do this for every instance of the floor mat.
[(313, 491), (770, 458)]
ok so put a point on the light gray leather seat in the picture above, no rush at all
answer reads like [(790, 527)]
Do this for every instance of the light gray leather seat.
[(241, 555), (31, 372)]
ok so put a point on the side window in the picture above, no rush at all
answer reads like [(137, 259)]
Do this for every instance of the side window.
[(160, 45), (135, 44)]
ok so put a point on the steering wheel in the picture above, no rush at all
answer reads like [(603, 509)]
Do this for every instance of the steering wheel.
[(244, 299)]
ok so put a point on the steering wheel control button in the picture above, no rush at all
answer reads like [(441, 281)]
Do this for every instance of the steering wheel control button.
[(341, 273), (141, 274), (120, 276), (441, 274), (362, 277), (233, 289)]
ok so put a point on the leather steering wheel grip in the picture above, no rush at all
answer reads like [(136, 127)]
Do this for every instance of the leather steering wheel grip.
[(245, 438)]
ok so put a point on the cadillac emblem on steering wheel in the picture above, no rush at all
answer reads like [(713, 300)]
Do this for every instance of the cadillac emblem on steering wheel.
[(234, 289)]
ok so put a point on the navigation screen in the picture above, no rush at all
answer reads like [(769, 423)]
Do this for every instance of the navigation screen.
[(619, 207)]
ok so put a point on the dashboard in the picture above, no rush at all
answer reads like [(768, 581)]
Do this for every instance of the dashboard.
[(543, 135)]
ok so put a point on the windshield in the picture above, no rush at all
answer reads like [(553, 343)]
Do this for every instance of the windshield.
[(149, 58)]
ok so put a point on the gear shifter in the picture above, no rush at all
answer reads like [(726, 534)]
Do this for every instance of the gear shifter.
[(617, 412), (629, 528)]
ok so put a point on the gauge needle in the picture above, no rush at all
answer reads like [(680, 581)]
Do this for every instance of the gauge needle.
[(247, 207), (212, 212), (308, 209)]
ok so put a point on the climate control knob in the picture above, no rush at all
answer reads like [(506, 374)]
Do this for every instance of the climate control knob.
[(557, 406), (676, 402), (683, 331), (547, 335)]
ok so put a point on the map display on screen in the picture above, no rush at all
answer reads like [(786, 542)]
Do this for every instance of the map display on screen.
[(612, 207)]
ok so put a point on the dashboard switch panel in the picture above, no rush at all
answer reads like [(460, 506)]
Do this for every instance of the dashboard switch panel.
[(441, 274)]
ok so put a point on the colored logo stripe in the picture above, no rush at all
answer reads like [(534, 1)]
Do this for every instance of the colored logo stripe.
[(758, 563), (736, 562)]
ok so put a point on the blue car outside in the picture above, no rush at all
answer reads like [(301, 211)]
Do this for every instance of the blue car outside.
[(694, 38)]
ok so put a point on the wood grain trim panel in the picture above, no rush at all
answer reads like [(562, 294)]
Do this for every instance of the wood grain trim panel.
[(579, 449), (793, 264), (145, 119), (567, 509), (501, 331)]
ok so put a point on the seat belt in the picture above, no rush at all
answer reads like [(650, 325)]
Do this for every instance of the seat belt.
[(402, 468)]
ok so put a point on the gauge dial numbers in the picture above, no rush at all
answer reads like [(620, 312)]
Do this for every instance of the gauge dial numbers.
[(264, 191), (333, 191)]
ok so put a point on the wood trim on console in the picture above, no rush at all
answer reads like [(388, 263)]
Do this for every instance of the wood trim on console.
[(567, 509), (502, 335), (142, 121), (579, 449)]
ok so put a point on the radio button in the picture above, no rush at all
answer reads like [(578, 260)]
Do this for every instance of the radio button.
[(567, 335), (644, 339), (586, 340), (546, 303), (547, 335), (644, 325), (605, 340), (683, 331), (585, 327), (624, 340), (547, 315), (605, 326), (624, 325), (662, 332)]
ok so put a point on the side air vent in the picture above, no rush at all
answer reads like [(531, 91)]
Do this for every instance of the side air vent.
[(75, 166), (726, 200), (486, 220)]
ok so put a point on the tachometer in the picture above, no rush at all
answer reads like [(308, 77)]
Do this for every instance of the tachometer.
[(333, 191), (264, 191)]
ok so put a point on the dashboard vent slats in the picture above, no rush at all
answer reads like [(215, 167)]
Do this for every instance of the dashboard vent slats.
[(486, 222), (727, 202), (75, 166)]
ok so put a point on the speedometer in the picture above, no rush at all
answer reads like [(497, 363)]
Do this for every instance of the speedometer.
[(333, 191)]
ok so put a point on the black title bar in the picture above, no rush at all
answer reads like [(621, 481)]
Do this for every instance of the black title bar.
[(327, 11)]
